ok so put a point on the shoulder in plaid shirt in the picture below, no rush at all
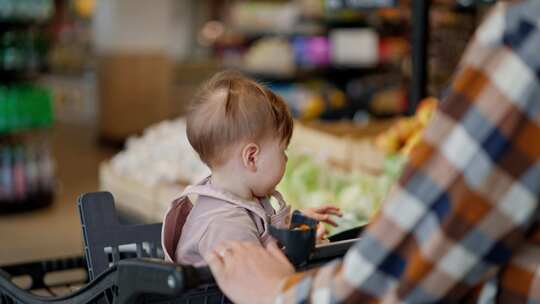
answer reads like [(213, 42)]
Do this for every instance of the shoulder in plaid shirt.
[(462, 225)]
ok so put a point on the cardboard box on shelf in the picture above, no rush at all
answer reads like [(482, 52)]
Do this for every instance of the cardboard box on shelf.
[(137, 90), (133, 92), (188, 77)]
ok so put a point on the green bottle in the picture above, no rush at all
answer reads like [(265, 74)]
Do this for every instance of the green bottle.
[(46, 111), (3, 110), (11, 106), (23, 107)]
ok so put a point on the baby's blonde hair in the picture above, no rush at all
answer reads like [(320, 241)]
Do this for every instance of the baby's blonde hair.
[(230, 108)]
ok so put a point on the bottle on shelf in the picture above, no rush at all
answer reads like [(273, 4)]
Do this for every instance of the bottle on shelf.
[(26, 165), (6, 181)]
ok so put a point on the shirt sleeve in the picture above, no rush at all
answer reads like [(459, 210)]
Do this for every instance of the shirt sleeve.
[(469, 192), (235, 225)]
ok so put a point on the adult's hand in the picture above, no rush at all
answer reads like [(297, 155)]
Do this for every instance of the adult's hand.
[(249, 273), (323, 213)]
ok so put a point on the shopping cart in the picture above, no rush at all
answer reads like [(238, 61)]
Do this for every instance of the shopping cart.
[(124, 264)]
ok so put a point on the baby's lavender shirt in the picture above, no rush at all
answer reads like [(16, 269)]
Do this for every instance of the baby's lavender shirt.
[(192, 230)]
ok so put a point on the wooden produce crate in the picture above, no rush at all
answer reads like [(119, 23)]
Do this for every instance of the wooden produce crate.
[(344, 145), (134, 198)]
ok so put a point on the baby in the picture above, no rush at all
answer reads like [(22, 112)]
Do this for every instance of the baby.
[(241, 130)]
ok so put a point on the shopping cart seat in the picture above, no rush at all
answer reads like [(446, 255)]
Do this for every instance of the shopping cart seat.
[(107, 241)]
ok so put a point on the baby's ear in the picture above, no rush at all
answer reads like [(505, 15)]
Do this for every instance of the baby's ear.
[(250, 154)]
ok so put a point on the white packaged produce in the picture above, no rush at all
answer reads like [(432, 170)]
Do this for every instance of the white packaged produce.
[(161, 155)]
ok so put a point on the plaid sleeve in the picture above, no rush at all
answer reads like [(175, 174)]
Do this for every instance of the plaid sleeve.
[(470, 190)]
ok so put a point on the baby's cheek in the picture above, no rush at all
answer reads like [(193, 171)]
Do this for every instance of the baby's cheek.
[(283, 168), (275, 181)]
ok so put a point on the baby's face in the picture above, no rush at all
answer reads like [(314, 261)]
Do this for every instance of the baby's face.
[(270, 166)]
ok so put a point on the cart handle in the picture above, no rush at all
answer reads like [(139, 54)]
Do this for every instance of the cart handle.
[(155, 276)]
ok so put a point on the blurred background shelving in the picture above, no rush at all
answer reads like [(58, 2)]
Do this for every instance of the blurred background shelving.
[(27, 177), (78, 77)]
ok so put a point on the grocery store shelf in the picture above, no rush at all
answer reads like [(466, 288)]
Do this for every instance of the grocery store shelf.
[(6, 25), (359, 5), (15, 76), (300, 74), (55, 231)]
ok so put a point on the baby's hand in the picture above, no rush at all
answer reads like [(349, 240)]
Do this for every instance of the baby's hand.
[(323, 213)]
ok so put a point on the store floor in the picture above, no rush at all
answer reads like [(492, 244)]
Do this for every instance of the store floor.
[(55, 231)]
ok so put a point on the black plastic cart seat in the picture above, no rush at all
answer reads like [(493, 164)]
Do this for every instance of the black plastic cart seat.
[(106, 241)]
